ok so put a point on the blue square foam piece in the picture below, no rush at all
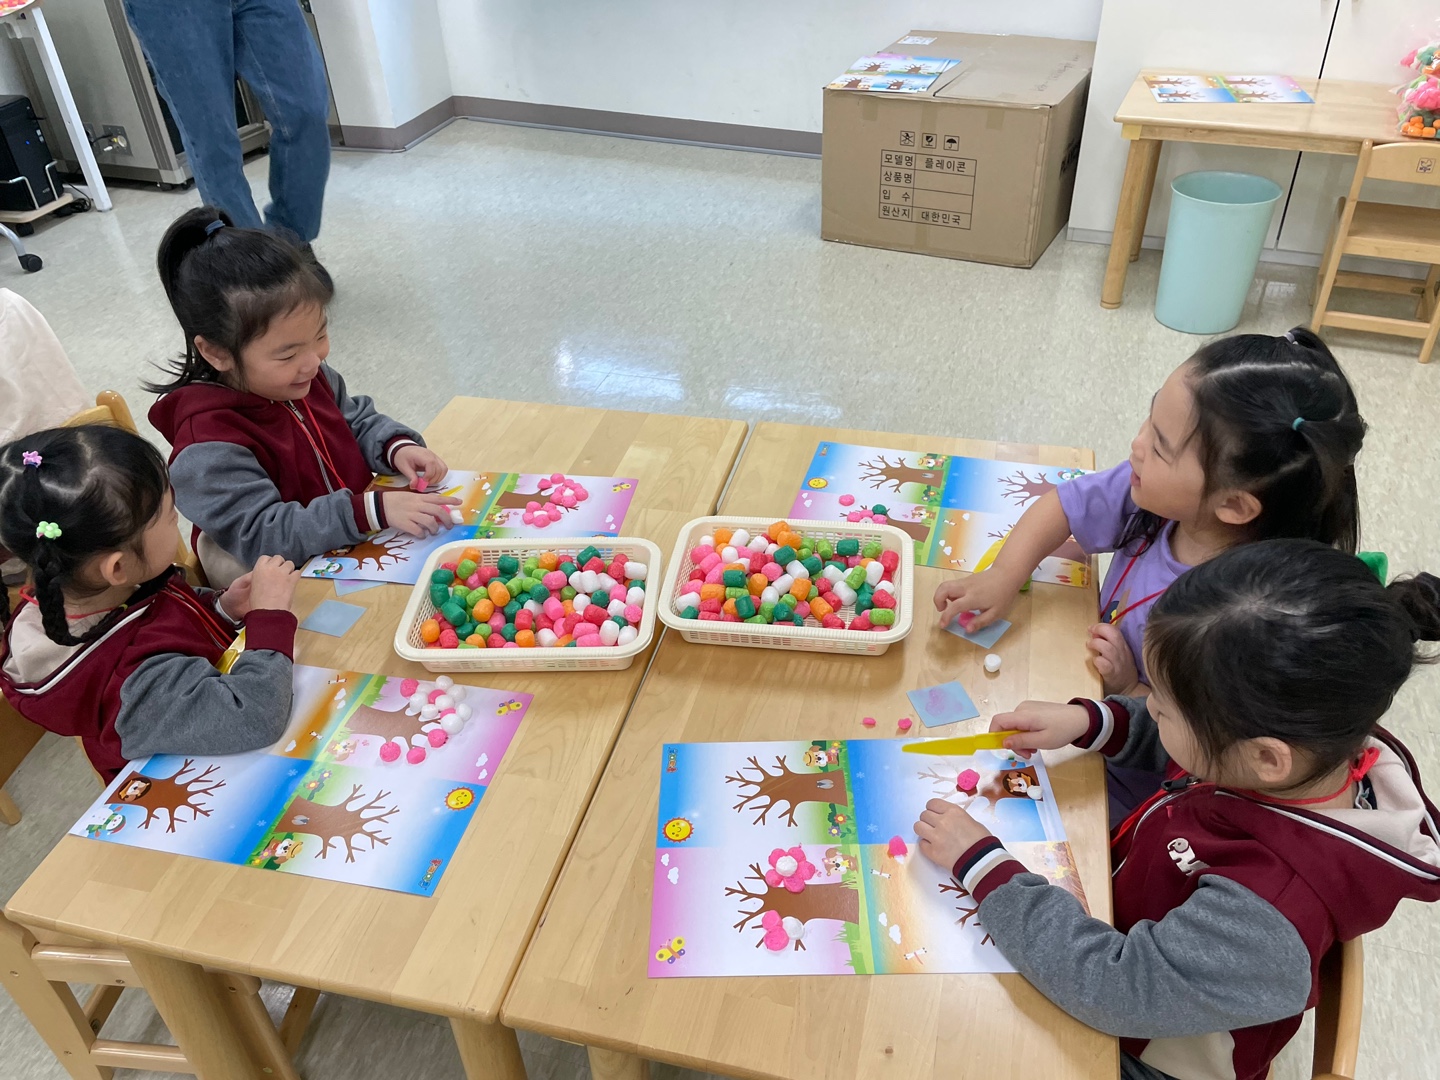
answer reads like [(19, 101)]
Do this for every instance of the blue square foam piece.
[(986, 638), (333, 618), (947, 703)]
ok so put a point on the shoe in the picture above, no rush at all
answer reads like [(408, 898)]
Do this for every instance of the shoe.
[(319, 266)]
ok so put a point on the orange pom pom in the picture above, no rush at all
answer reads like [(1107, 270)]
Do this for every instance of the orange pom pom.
[(476, 640), (499, 594), (473, 554), (722, 537), (483, 609), (525, 639), (729, 607), (430, 631), (713, 592), (549, 561), (756, 583), (801, 589), (819, 608), (777, 529)]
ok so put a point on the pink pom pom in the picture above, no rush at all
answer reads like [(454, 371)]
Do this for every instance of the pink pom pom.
[(528, 517), (897, 847), (557, 478), (803, 609), (833, 622), (497, 621), (711, 561), (437, 737), (524, 620), (532, 506), (868, 721), (449, 639), (698, 554), (618, 592), (691, 586), (968, 781), (433, 695), (847, 500), (715, 576), (568, 501), (495, 641), (633, 614), (595, 614), (546, 483), (474, 581), (580, 493), (553, 608), (773, 571), (415, 755), (880, 519), (509, 645), (389, 752), (905, 723), (408, 687), (776, 939)]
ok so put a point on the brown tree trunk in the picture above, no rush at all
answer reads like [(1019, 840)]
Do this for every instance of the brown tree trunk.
[(829, 901), (367, 720), (370, 551), (171, 794), (919, 531), (341, 821), (770, 789), (897, 474)]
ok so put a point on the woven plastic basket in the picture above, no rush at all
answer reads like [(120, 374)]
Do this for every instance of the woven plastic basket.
[(407, 635), (800, 638)]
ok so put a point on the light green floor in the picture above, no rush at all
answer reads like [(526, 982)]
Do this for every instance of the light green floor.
[(563, 268)]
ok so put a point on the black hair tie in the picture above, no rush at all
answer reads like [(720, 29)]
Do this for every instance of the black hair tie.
[(214, 227)]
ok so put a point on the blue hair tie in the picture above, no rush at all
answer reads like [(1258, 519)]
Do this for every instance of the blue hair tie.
[(213, 226), (1296, 425)]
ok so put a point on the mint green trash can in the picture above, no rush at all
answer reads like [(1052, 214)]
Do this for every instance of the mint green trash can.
[(1218, 222)]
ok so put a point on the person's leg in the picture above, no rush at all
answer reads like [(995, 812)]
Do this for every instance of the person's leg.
[(191, 47), (278, 58)]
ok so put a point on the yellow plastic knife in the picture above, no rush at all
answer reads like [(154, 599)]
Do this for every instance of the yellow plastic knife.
[(962, 744)]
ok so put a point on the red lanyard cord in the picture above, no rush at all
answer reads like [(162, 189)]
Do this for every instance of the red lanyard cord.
[(321, 450), (1115, 618)]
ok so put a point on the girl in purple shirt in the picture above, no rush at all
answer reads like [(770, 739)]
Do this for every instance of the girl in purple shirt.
[(1253, 437)]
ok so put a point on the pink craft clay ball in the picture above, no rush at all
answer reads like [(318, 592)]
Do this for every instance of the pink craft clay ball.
[(416, 755), (389, 752), (437, 737)]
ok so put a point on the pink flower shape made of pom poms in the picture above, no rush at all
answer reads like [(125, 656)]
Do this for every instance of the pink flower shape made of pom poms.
[(775, 936), (789, 869)]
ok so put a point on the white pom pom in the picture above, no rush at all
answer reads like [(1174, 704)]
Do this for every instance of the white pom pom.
[(609, 632), (728, 553), (453, 723), (444, 682), (797, 569), (444, 701), (615, 607), (740, 538), (582, 601), (463, 711), (706, 541), (758, 543), (627, 635), (992, 662), (607, 582), (793, 926), (786, 865), (635, 596), (577, 580), (770, 595), (430, 712), (456, 517), (416, 703), (873, 573), (886, 586), (833, 573), (458, 691), (783, 582), (546, 639), (636, 571)]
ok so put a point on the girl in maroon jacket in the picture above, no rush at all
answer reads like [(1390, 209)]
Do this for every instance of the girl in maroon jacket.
[(1288, 819), (269, 453), (109, 642)]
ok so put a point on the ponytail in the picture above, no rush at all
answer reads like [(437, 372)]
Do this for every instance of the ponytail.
[(1419, 598), (226, 285), (68, 495)]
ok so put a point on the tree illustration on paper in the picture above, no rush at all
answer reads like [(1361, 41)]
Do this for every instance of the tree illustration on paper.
[(765, 790), (1022, 489), (354, 818), (967, 911), (383, 725), (182, 790), (376, 549), (919, 531), (832, 900), (883, 472)]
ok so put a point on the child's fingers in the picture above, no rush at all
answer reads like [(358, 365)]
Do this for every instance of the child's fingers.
[(979, 620), (956, 609)]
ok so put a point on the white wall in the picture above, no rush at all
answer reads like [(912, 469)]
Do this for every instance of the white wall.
[(385, 58), (754, 62)]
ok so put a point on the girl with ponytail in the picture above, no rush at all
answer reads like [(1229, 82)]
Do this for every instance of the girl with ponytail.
[(270, 454), (109, 643)]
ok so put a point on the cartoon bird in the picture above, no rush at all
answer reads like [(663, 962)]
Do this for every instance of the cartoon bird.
[(668, 954)]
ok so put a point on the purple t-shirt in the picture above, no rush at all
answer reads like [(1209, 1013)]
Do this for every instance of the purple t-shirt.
[(1098, 506)]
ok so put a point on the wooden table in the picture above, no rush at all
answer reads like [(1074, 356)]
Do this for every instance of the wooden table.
[(1342, 117), (584, 976), (454, 954)]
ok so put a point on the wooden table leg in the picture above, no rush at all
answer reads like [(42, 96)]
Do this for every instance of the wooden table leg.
[(50, 1007), (488, 1051), (193, 1005), (243, 997), (9, 812), (1151, 168), (615, 1065), (1129, 217)]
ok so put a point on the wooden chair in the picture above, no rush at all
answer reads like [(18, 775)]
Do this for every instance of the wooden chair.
[(1386, 231), (37, 976), (1337, 1013), (111, 408)]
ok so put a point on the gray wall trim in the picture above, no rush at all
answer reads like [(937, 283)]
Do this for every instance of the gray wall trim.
[(593, 121), (404, 136)]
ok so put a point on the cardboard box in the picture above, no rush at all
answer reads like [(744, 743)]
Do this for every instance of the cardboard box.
[(980, 165)]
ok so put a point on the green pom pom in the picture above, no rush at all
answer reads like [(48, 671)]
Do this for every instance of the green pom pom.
[(805, 552), (531, 565), (442, 576), (465, 569), (847, 547), (882, 616), (813, 564), (512, 609), (767, 610), (567, 568), (600, 597), (465, 631), (539, 594), (871, 550), (733, 578), (855, 577), (508, 565), (736, 593), (508, 631), (744, 607), (453, 612), (438, 595), (785, 555), (567, 593), (467, 645), (587, 553), (787, 601), (879, 508), (824, 548), (756, 619)]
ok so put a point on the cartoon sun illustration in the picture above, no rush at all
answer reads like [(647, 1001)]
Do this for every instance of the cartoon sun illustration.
[(678, 830), (460, 798), (818, 482)]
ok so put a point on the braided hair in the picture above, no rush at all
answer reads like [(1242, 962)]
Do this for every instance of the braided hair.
[(1276, 417), (95, 490)]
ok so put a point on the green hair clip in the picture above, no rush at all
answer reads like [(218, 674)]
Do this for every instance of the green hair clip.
[(1378, 563), (48, 529)]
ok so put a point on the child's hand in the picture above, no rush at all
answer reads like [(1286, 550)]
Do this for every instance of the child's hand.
[(235, 601), (418, 514), (946, 832), (989, 593), (272, 584), (1043, 725), (413, 460), (1113, 659)]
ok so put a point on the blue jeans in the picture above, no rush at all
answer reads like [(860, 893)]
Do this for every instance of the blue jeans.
[(196, 48)]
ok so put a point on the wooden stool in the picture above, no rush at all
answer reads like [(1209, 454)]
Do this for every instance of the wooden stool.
[(37, 974)]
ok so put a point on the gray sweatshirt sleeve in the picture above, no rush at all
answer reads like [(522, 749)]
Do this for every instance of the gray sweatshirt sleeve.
[(227, 493), (1224, 959), (177, 704), (373, 430), (1142, 749)]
